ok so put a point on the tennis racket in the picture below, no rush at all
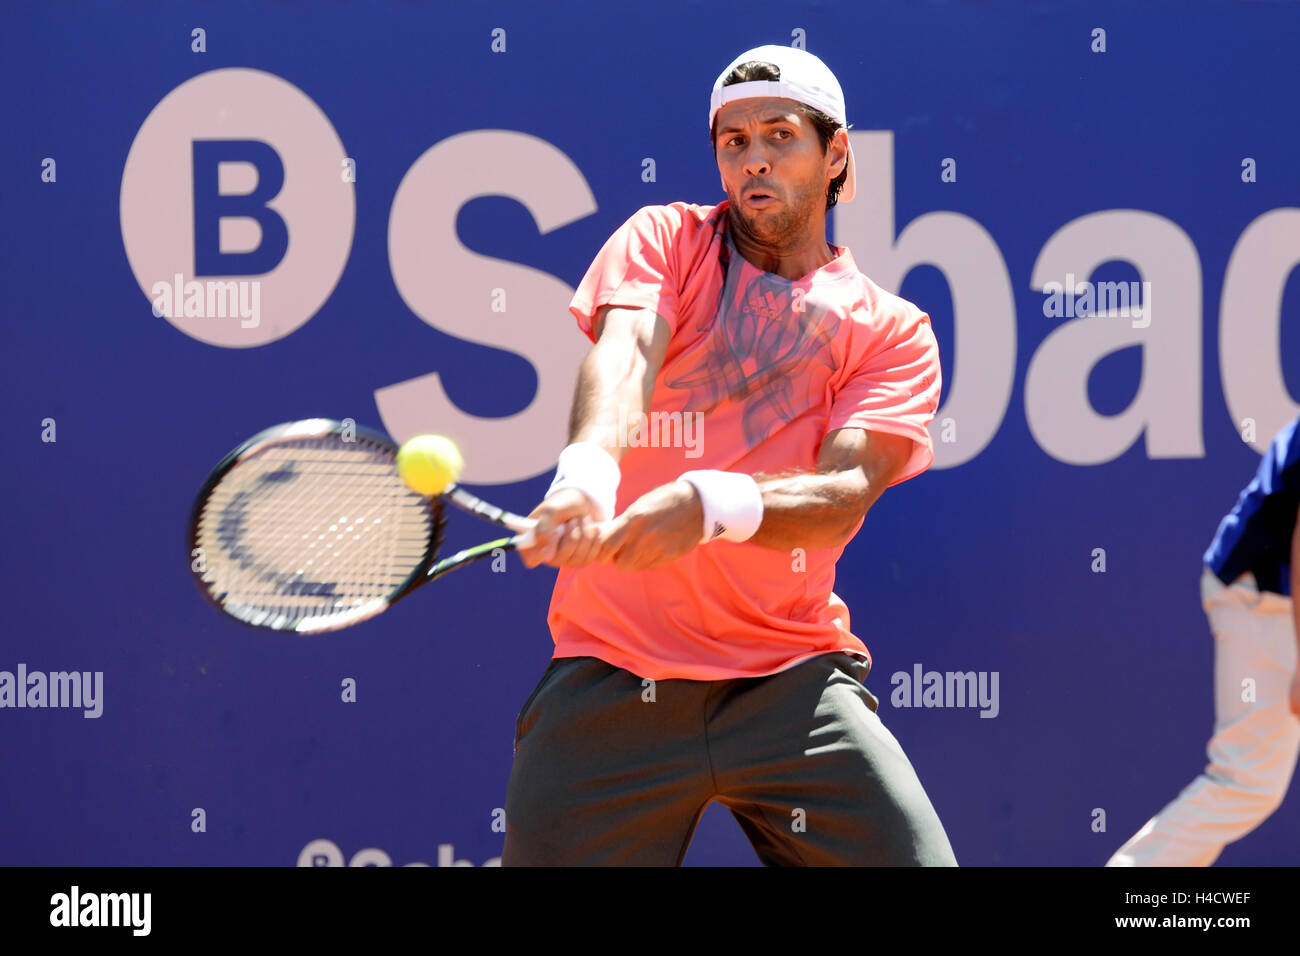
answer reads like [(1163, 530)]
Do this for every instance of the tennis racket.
[(308, 527)]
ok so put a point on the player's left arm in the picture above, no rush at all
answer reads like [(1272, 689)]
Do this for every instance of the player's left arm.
[(809, 511), (822, 510)]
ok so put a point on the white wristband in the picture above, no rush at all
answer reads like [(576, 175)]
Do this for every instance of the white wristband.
[(733, 504), (592, 470)]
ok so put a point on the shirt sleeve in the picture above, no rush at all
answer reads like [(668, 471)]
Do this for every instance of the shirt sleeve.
[(895, 390), (634, 268)]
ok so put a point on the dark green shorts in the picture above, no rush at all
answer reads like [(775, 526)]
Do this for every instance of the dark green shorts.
[(613, 770)]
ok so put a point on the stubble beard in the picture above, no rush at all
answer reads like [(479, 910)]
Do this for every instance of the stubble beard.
[(783, 230)]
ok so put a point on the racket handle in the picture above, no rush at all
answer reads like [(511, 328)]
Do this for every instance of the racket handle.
[(524, 539), (466, 502)]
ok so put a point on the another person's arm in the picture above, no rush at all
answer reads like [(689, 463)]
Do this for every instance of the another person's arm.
[(1295, 613)]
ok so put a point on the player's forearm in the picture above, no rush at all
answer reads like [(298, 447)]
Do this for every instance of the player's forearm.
[(811, 511), (611, 379)]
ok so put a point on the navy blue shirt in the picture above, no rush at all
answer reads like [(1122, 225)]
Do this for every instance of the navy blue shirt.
[(1256, 535)]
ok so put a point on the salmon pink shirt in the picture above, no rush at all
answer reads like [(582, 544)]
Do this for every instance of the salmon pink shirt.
[(759, 370)]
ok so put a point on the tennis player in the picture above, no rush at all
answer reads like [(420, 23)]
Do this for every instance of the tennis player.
[(750, 395)]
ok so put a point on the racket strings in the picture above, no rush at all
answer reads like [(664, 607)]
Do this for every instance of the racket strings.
[(339, 537), (311, 528), (332, 539)]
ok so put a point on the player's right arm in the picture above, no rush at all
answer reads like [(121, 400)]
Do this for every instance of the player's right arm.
[(615, 386), (618, 373)]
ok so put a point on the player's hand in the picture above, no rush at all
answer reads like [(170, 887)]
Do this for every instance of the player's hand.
[(567, 532), (657, 528), (1295, 693)]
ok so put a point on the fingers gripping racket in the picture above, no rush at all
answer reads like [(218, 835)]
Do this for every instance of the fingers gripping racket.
[(308, 527)]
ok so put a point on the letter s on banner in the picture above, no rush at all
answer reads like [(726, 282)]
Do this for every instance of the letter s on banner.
[(446, 284)]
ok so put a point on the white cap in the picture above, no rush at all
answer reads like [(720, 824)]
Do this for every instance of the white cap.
[(804, 79)]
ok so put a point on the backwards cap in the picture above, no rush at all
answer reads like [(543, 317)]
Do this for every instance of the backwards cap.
[(804, 79)]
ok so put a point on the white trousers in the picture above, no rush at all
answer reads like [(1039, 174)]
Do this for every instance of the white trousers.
[(1255, 743)]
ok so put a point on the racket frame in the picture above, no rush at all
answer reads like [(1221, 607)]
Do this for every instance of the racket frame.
[(429, 567)]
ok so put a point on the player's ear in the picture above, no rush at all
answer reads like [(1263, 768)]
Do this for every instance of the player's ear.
[(841, 143)]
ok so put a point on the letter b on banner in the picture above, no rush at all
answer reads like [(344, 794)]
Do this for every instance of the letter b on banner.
[(212, 207), (269, 204)]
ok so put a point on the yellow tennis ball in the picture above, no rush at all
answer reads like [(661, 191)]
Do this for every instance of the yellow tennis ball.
[(429, 463)]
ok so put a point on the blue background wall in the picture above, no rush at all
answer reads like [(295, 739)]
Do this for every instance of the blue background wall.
[(1105, 678)]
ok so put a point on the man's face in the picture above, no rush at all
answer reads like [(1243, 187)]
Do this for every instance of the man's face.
[(773, 168)]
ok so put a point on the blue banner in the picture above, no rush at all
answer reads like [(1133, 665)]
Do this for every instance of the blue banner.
[(386, 209)]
